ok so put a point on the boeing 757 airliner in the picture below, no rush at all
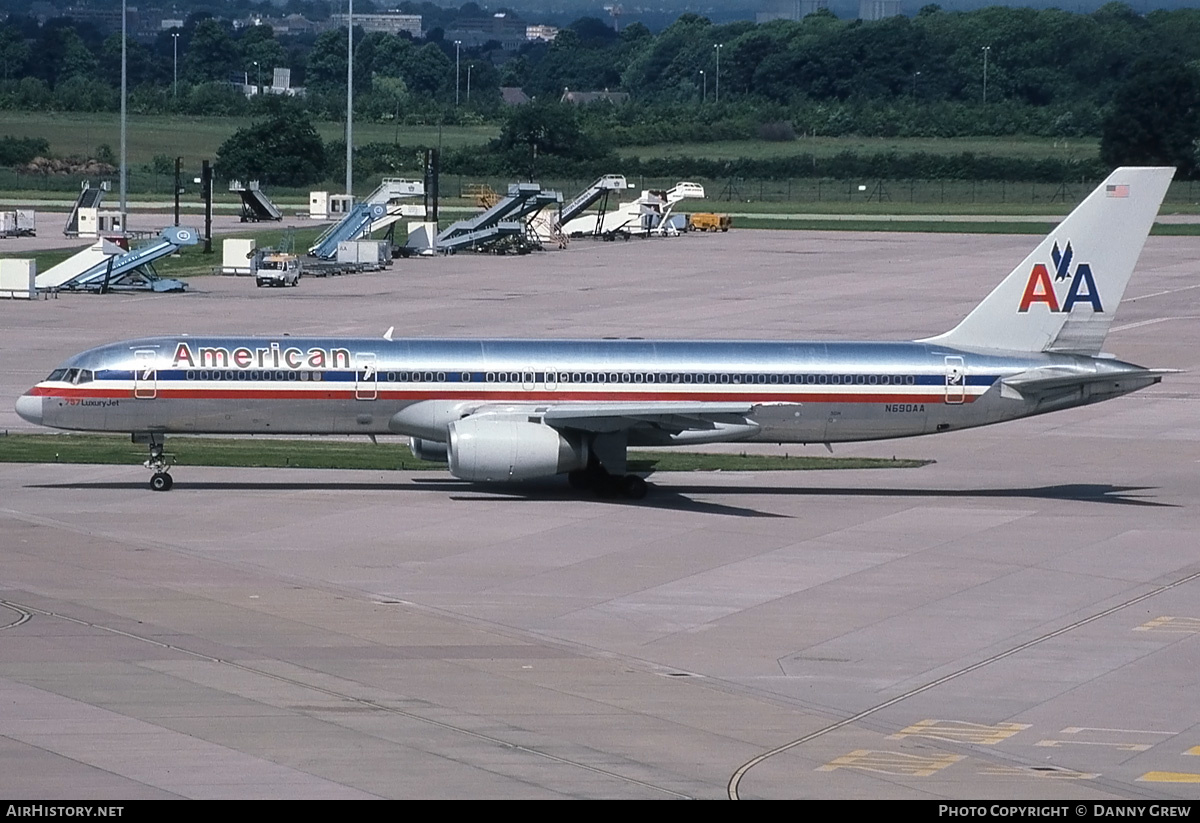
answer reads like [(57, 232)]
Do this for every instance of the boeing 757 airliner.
[(518, 409)]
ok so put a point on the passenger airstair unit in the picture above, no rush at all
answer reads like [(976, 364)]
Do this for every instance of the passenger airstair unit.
[(600, 190), (256, 206), (549, 227), (505, 221), (649, 214), (378, 211), (89, 198), (129, 271)]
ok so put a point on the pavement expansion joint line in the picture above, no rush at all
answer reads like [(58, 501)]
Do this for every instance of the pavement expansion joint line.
[(29, 611), (736, 778), (22, 615)]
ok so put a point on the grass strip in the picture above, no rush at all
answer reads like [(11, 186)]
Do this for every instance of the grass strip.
[(940, 226), (355, 454)]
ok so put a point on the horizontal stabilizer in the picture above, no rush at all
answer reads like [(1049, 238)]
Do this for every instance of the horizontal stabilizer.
[(1037, 383)]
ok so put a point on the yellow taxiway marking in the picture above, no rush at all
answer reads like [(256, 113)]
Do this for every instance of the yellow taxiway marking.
[(960, 731), (1128, 747), (1046, 773), (898, 763), (1193, 750), (1077, 730), (1174, 625), (1169, 777)]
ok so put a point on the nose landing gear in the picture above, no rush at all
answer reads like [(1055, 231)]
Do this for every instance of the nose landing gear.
[(159, 462)]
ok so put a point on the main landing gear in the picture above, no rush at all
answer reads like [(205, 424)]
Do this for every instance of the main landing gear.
[(160, 463), (606, 485)]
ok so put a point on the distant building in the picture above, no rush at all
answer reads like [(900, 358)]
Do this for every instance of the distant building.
[(292, 24), (168, 23), (475, 31), (547, 33), (388, 23), (281, 83), (792, 10), (878, 9), (513, 96), (43, 11), (582, 98), (106, 20)]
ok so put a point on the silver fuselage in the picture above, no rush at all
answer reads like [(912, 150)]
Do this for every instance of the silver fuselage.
[(799, 392)]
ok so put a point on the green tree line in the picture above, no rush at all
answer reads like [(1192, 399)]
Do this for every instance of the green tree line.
[(1048, 71)]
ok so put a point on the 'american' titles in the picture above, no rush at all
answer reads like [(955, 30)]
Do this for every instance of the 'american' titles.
[(260, 357)]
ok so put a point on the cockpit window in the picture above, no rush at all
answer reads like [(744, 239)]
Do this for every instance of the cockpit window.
[(75, 376)]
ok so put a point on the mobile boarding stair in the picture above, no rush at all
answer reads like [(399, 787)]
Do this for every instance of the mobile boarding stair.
[(133, 270), (649, 214), (89, 198), (354, 225), (256, 206), (504, 221), (600, 190), (372, 214), (549, 227)]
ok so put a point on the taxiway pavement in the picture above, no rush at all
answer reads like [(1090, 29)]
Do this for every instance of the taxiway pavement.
[(1020, 619)]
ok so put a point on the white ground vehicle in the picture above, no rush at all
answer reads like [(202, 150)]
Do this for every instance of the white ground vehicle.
[(278, 270)]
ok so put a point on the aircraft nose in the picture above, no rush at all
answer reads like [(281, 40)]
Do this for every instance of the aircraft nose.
[(30, 408)]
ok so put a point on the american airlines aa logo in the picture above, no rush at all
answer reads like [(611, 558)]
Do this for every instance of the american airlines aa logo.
[(1041, 289)]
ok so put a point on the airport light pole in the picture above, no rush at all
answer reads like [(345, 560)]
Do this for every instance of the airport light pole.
[(469, 67), (986, 50), (703, 87), (175, 67), (717, 95), (457, 47), (124, 88), (257, 79), (350, 98), (916, 74)]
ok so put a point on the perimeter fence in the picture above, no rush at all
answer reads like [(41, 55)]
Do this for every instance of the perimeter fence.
[(797, 194)]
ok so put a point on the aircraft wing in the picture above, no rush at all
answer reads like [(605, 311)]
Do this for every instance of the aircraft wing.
[(1037, 383), (612, 417)]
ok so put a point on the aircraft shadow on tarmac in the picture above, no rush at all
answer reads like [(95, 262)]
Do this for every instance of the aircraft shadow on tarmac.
[(678, 498)]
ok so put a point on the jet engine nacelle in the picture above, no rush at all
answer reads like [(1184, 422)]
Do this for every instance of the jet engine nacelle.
[(430, 450), (511, 450)]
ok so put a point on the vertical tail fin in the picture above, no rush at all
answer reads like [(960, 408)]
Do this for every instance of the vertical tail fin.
[(1065, 293)]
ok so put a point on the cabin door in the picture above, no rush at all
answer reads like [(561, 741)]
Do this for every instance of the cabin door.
[(956, 380), (366, 376), (145, 375)]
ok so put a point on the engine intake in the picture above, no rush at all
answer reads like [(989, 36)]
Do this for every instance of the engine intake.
[(511, 450), (430, 450)]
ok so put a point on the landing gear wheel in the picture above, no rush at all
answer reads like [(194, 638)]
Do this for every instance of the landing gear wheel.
[(633, 487), (160, 464), (606, 487)]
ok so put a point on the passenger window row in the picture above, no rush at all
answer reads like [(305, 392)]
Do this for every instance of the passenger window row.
[(672, 378), (232, 374)]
